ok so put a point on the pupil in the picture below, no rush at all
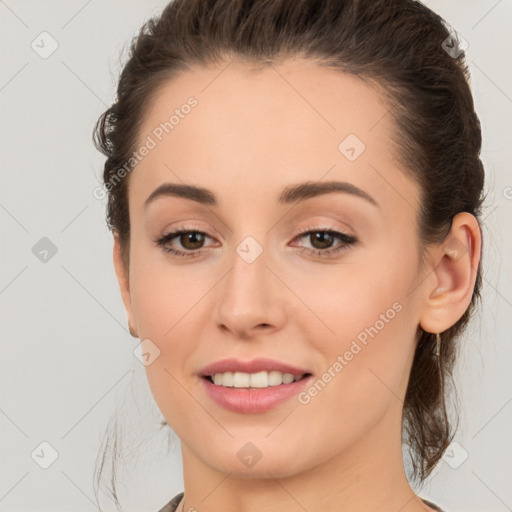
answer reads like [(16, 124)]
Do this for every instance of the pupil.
[(191, 237), (321, 237)]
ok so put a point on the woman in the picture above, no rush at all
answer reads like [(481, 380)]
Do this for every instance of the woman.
[(294, 190)]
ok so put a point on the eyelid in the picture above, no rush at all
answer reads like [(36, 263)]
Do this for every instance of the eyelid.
[(328, 224), (326, 227), (174, 233)]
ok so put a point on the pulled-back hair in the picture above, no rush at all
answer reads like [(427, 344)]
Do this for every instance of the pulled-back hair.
[(403, 49)]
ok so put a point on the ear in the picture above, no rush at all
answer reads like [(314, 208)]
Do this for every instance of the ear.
[(124, 283), (455, 265)]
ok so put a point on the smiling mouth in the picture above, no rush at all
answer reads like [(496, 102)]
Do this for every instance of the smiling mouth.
[(259, 380)]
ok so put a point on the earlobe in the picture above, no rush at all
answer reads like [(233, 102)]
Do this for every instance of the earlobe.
[(124, 282), (456, 263)]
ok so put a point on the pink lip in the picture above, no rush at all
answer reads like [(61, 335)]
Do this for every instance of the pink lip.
[(252, 400), (254, 366)]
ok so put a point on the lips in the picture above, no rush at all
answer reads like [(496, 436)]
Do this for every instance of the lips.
[(253, 366)]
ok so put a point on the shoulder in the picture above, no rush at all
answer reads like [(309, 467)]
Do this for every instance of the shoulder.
[(173, 504)]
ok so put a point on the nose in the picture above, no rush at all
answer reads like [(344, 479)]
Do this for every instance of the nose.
[(250, 299)]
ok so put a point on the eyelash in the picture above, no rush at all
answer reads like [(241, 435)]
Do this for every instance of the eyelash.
[(347, 241)]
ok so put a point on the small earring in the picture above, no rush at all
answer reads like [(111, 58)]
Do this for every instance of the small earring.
[(438, 344), (132, 332)]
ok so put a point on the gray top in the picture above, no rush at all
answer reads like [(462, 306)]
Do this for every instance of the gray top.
[(173, 504)]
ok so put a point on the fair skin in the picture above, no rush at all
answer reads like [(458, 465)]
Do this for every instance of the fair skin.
[(251, 135)]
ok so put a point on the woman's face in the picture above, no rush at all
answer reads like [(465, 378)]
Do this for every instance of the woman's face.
[(345, 308)]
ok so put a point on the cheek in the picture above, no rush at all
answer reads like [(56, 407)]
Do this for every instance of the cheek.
[(169, 308), (164, 294), (364, 365), (364, 314), (346, 299)]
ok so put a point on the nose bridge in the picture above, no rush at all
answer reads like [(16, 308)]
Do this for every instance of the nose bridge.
[(248, 280), (248, 297)]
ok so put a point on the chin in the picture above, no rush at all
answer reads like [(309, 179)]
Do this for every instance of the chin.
[(237, 462)]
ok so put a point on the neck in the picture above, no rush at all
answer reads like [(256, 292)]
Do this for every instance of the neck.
[(368, 476)]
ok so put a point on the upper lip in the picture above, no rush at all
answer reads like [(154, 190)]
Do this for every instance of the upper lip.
[(253, 366)]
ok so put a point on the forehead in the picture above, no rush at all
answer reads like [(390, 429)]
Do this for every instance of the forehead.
[(252, 128), (298, 94)]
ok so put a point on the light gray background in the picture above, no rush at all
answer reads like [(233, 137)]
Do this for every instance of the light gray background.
[(67, 357)]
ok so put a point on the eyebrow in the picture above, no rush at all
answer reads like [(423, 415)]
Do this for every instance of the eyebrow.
[(291, 194)]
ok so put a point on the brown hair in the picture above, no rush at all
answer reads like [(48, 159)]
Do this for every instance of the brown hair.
[(400, 47)]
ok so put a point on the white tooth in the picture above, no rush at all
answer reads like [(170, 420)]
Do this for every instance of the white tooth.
[(240, 380), (288, 378), (259, 380), (228, 379), (275, 378)]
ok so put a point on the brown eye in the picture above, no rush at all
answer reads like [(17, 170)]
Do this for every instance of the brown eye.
[(321, 240), (191, 240), (183, 242)]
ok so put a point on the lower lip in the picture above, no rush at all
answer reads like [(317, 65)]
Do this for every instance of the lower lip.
[(253, 400)]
